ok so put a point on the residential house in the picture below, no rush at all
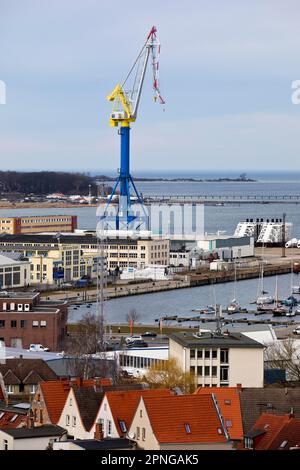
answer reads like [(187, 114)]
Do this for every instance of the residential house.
[(274, 400), (219, 359), (228, 400), (79, 412), (51, 396), (21, 376), (274, 432), (14, 416), (39, 438), (180, 422), (118, 408)]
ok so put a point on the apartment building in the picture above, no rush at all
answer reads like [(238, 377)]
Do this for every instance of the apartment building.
[(26, 319), (69, 257), (38, 223), (219, 360), (13, 273)]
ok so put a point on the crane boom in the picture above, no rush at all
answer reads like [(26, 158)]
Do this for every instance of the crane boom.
[(125, 104)]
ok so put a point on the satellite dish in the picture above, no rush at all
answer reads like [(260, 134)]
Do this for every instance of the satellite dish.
[(131, 435)]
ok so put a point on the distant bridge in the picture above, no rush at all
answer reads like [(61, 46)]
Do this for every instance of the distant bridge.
[(225, 199)]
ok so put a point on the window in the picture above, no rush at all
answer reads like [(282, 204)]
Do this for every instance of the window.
[(23, 323), (35, 324), (207, 353), (13, 419), (108, 427), (67, 420), (200, 353), (70, 402), (224, 356), (248, 443), (32, 389), (192, 370), (214, 371), (229, 423), (123, 426), (224, 374), (74, 421), (141, 413), (143, 434), (43, 324), (187, 428), (227, 402), (13, 324), (283, 445), (214, 353), (5, 444), (199, 371), (137, 433), (41, 416), (192, 354), (2, 323), (207, 371)]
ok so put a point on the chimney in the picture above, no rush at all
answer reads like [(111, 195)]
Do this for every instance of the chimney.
[(239, 387), (80, 382), (98, 434), (30, 419), (291, 413), (21, 356)]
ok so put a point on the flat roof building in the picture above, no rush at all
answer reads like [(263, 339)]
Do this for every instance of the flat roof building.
[(219, 359), (38, 223)]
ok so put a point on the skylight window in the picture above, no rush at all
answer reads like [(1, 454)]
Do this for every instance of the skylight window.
[(228, 423), (123, 426), (187, 428), (283, 445), (13, 419), (1, 414), (227, 402)]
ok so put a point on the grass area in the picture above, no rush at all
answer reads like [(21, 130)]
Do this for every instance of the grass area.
[(137, 329)]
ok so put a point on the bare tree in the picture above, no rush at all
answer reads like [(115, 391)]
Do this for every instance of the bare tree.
[(88, 340), (132, 317), (285, 355)]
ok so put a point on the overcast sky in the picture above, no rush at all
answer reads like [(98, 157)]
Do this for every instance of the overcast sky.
[(226, 73)]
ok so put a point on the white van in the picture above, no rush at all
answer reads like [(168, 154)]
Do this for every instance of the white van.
[(37, 348)]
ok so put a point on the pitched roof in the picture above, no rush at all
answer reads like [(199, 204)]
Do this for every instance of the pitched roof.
[(12, 419), (228, 399), (48, 430), (288, 436), (88, 401), (123, 404), (269, 425), (55, 393), (20, 368), (170, 415), (105, 444), (279, 401)]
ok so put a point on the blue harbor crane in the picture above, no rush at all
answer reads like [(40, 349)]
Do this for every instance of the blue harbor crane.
[(126, 216)]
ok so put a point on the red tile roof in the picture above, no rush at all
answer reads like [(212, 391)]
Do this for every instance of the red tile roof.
[(278, 432), (12, 420), (55, 393), (123, 404), (170, 415), (228, 399)]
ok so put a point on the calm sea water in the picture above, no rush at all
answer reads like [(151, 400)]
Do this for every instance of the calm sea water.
[(181, 302)]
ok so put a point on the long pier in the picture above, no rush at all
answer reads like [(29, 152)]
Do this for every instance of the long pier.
[(224, 199)]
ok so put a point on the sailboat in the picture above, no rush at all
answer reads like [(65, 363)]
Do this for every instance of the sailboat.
[(291, 301), (279, 310), (234, 306), (262, 298)]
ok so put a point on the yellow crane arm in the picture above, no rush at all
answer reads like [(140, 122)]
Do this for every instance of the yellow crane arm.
[(119, 95)]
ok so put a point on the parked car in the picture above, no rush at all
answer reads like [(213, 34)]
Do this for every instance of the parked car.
[(149, 334), (138, 343), (37, 348), (129, 339), (296, 331)]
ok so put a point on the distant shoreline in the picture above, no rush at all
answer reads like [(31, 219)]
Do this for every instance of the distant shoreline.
[(189, 180)]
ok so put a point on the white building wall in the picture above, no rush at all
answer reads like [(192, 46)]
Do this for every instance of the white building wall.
[(246, 367), (70, 409), (105, 414)]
